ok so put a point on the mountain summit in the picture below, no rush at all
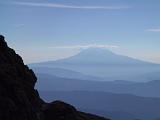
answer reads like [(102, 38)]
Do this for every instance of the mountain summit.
[(103, 56)]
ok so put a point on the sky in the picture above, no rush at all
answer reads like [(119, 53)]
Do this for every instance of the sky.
[(42, 30)]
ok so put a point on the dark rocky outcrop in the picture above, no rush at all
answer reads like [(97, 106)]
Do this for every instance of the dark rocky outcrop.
[(18, 98), (63, 111)]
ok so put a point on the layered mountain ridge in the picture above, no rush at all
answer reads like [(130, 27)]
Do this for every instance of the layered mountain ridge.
[(18, 98)]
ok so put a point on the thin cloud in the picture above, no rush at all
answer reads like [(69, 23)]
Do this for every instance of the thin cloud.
[(85, 46), (154, 30), (18, 25), (54, 5)]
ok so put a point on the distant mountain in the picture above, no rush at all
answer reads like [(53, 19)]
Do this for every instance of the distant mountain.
[(51, 83), (100, 56), (116, 106), (105, 64)]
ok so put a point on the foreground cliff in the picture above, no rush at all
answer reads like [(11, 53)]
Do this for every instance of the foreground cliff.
[(18, 98)]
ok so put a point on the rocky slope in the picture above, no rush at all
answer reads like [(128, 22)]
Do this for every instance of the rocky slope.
[(18, 98)]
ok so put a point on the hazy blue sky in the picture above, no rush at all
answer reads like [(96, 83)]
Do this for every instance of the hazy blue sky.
[(42, 30)]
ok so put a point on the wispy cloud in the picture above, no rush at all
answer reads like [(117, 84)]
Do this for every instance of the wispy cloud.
[(20, 25), (154, 30), (55, 5), (85, 46)]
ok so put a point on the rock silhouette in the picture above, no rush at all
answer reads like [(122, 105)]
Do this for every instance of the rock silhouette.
[(18, 98)]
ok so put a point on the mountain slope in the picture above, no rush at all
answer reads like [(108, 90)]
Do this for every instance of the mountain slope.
[(18, 98)]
